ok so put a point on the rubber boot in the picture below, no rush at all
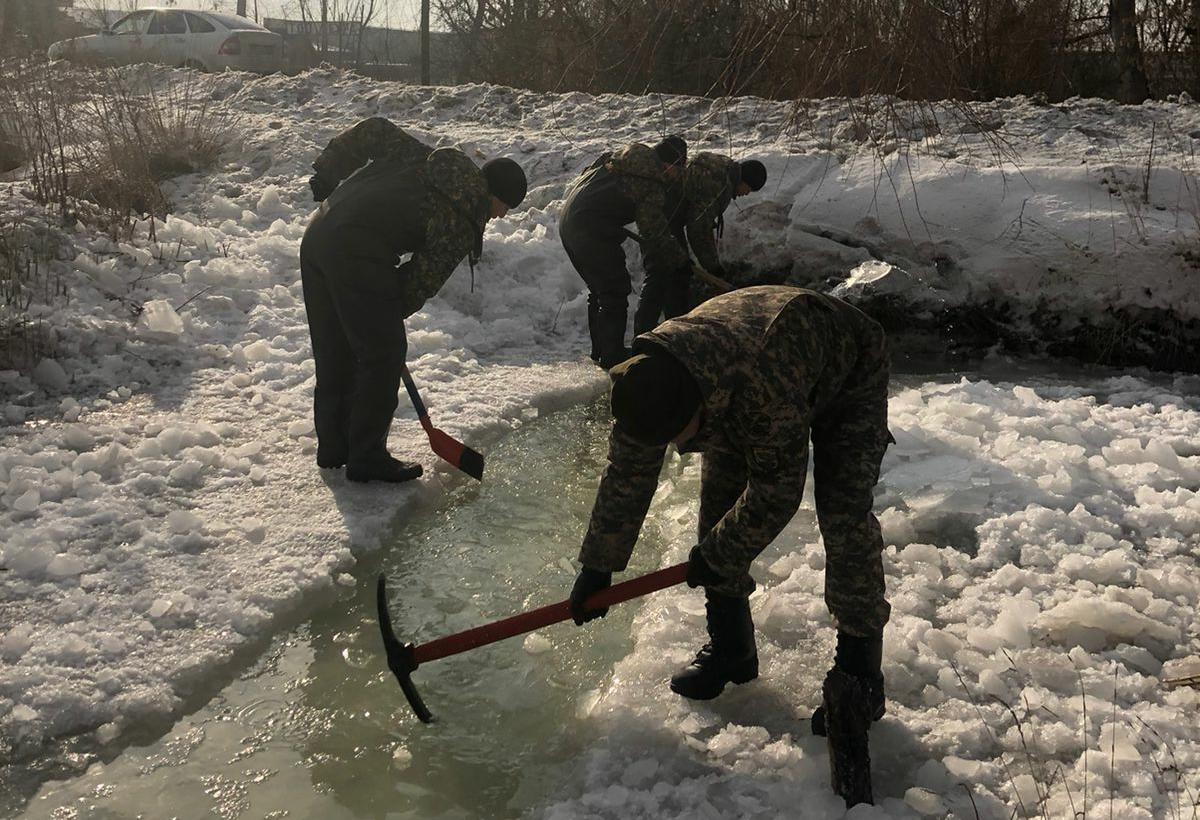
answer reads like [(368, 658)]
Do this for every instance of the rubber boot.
[(329, 458), (863, 659), (593, 319), (730, 655), (848, 721), (612, 335)]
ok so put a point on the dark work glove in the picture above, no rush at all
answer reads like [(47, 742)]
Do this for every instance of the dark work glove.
[(699, 573), (320, 188), (588, 583)]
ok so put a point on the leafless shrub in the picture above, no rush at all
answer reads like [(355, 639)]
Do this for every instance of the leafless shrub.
[(787, 49), (26, 279), (100, 139)]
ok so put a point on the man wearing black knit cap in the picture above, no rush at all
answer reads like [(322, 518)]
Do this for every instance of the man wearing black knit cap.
[(396, 218), (710, 183), (637, 184), (746, 379)]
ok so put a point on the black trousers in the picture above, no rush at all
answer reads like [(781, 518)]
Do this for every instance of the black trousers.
[(600, 261), (359, 347), (665, 293)]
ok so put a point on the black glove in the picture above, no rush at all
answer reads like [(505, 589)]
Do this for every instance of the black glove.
[(588, 583), (699, 573), (320, 188)]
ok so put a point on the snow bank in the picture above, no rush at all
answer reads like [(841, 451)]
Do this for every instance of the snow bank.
[(1035, 584)]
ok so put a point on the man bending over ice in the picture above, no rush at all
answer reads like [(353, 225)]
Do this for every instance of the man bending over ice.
[(746, 379)]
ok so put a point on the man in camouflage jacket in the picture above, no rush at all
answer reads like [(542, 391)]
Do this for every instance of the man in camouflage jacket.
[(747, 379), (396, 218), (710, 183), (632, 185)]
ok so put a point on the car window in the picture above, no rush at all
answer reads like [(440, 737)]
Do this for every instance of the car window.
[(132, 23), (168, 22), (198, 24), (235, 23)]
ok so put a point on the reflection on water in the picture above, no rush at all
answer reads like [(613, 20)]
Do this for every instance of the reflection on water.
[(319, 729)]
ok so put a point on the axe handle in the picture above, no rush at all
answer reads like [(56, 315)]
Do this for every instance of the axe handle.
[(712, 279), (552, 614)]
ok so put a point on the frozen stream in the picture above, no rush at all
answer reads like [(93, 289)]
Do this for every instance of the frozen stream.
[(1046, 546)]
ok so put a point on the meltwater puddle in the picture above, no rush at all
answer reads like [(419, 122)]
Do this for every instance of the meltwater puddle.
[(319, 728)]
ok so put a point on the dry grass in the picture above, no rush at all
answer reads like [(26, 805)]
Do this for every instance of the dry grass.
[(99, 140), (26, 279), (93, 144)]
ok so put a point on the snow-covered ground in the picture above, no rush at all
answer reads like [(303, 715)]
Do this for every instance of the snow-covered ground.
[(161, 511), (1042, 565)]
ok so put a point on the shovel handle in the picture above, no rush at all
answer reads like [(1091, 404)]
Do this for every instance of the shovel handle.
[(413, 395), (552, 614)]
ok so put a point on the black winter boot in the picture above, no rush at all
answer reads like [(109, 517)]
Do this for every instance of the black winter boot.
[(612, 335), (861, 658), (848, 721), (384, 469), (730, 655)]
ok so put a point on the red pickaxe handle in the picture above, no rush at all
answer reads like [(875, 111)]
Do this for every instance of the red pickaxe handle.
[(552, 614)]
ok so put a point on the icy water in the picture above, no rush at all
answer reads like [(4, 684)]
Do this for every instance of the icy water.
[(319, 729)]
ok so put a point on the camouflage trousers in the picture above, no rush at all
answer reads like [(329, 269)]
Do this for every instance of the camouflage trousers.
[(848, 443)]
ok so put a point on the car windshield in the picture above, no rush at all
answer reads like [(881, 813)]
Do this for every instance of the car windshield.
[(232, 21), (132, 23)]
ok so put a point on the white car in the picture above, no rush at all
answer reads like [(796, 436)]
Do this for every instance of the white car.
[(205, 40)]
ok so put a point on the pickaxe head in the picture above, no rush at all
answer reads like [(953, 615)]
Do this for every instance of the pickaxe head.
[(400, 656)]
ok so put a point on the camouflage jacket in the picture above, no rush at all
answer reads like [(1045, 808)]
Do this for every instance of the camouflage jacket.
[(708, 187), (769, 361), (432, 204), (623, 187), (455, 212), (372, 139), (638, 169)]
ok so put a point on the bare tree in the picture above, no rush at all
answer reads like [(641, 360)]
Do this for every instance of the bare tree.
[(1194, 37), (1132, 86), (425, 41)]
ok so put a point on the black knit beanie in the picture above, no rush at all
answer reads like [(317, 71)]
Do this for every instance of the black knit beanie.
[(505, 180), (754, 174), (653, 397), (672, 150)]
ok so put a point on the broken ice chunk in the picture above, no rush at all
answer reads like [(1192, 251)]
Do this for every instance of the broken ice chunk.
[(50, 375), (159, 322)]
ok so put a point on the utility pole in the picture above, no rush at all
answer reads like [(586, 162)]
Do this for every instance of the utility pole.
[(324, 29), (425, 42)]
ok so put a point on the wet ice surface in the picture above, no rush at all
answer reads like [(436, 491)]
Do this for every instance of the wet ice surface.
[(319, 728), (1043, 542)]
